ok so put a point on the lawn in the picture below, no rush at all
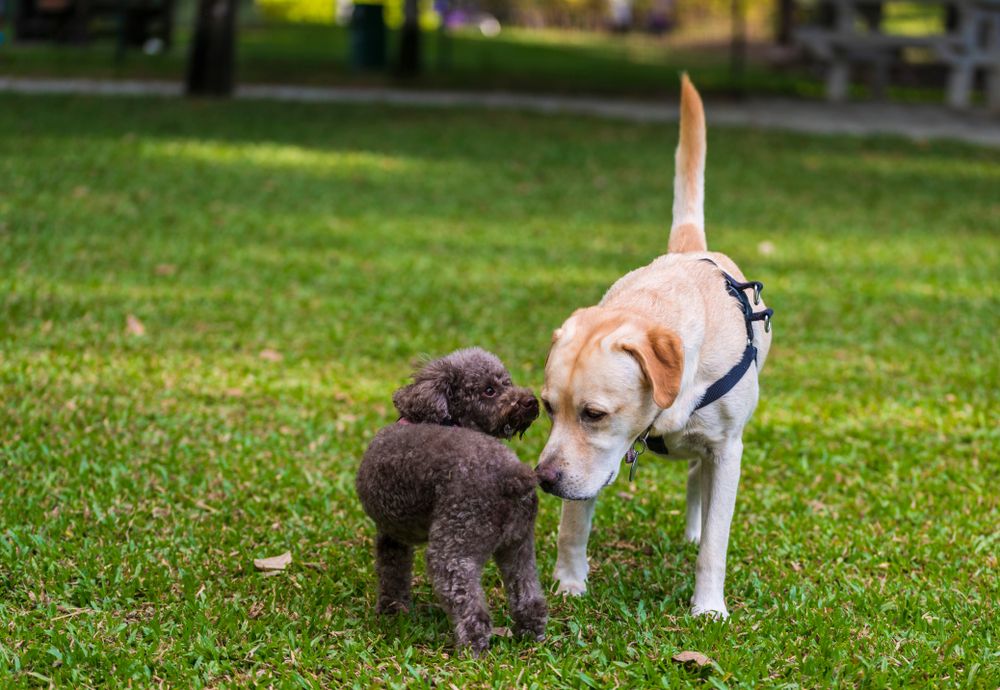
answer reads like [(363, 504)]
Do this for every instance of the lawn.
[(206, 307)]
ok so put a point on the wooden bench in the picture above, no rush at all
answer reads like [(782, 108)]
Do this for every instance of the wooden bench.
[(131, 22), (971, 42)]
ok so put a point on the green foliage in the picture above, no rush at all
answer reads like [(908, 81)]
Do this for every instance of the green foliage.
[(142, 474), (324, 12), (298, 11)]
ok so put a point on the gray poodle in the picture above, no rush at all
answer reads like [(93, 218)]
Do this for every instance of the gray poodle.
[(439, 475)]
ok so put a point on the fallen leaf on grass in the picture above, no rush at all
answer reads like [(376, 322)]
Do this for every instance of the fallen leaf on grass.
[(502, 632), (269, 355), (133, 326), (688, 658), (255, 610), (274, 562), (166, 269)]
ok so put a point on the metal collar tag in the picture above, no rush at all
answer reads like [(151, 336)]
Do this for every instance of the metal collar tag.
[(637, 448)]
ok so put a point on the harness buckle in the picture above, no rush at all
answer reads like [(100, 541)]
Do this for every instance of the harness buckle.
[(767, 323), (757, 288)]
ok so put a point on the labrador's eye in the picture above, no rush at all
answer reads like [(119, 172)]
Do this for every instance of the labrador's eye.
[(490, 391), (592, 415)]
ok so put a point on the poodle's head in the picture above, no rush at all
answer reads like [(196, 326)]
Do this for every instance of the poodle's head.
[(469, 388)]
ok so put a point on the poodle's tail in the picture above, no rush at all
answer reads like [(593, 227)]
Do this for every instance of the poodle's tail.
[(687, 234), (520, 481)]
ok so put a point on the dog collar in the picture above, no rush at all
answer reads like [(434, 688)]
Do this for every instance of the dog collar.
[(731, 377), (637, 448)]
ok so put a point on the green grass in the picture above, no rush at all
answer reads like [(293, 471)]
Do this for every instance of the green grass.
[(141, 475)]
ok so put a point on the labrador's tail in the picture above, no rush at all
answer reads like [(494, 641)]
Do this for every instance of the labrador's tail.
[(687, 234)]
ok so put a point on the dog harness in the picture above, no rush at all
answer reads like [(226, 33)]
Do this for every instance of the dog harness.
[(731, 377)]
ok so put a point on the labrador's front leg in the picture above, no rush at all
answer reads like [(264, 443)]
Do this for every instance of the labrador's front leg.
[(571, 561), (692, 528), (720, 477)]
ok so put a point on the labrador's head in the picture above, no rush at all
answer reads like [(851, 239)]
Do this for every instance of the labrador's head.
[(607, 374)]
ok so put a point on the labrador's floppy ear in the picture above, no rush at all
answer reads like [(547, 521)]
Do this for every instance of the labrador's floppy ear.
[(426, 399), (660, 354)]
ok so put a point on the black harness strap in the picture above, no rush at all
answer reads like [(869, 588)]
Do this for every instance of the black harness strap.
[(733, 376), (730, 379)]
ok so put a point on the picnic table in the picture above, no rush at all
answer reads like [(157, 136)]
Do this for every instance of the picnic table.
[(969, 41), (131, 22)]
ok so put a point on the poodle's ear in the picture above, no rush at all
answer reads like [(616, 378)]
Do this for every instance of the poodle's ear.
[(424, 401)]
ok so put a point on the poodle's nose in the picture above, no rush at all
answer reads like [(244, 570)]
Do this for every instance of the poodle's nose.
[(548, 477), (529, 402)]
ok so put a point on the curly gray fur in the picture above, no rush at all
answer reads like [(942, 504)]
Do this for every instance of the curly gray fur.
[(460, 490)]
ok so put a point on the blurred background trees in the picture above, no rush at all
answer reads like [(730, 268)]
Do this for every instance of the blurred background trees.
[(600, 47)]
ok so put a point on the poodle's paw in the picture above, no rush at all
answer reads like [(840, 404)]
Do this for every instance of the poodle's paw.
[(716, 611), (391, 607), (472, 634), (533, 632), (475, 646), (531, 624)]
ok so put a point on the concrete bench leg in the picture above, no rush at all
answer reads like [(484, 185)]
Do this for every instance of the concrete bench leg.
[(960, 85), (993, 89), (880, 79), (838, 79)]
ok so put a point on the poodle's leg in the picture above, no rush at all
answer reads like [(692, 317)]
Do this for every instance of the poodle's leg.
[(520, 581), (455, 566), (394, 565)]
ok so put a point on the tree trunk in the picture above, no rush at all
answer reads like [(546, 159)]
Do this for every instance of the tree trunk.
[(785, 24), (737, 43), (213, 52), (409, 40)]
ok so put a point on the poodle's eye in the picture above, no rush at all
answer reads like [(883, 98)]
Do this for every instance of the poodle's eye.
[(592, 415), (490, 391)]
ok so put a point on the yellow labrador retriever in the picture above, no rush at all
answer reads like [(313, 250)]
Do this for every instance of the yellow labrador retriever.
[(669, 358)]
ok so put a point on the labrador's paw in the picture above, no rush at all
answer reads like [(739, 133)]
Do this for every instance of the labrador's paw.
[(716, 611), (571, 574), (571, 587)]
